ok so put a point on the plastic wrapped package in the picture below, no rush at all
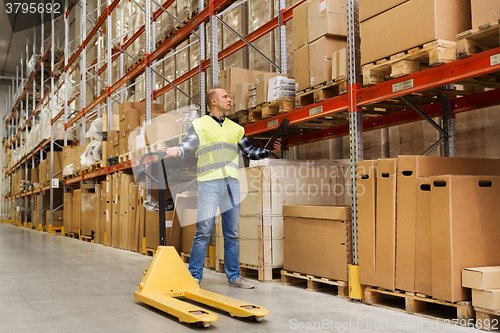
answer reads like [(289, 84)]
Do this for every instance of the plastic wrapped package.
[(159, 81), (140, 88), (88, 202), (166, 23), (208, 48), (183, 9), (169, 73), (92, 154), (259, 14), (181, 67), (95, 130), (140, 43), (236, 19)]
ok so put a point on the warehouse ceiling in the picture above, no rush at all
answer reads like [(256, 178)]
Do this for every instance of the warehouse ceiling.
[(12, 45)]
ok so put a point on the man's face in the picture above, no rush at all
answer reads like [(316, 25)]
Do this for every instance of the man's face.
[(222, 100)]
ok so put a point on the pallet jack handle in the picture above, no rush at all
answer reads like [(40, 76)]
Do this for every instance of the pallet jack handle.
[(162, 186)]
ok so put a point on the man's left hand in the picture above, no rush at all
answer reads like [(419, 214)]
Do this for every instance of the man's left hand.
[(276, 146)]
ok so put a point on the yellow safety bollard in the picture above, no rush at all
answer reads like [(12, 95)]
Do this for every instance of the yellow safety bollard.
[(355, 288)]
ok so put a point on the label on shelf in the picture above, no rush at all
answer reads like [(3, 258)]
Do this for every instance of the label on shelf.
[(272, 123), (402, 85), (316, 110), (55, 183), (495, 59)]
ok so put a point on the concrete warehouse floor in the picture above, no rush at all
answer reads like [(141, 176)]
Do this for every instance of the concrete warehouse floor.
[(50, 283)]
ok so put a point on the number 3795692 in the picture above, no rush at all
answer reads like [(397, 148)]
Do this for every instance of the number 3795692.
[(32, 8)]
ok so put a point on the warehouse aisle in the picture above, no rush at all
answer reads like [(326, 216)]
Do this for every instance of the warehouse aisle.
[(50, 283)]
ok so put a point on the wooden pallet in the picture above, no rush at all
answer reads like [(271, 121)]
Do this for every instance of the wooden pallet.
[(487, 320), (135, 64), (314, 283), (252, 271), (158, 146), (150, 252), (242, 117), (266, 110), (321, 92), (417, 305), (432, 54), (123, 157), (72, 235), (87, 239), (185, 258), (96, 166), (474, 41)]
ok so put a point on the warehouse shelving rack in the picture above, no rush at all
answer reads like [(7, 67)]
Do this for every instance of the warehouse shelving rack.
[(446, 102)]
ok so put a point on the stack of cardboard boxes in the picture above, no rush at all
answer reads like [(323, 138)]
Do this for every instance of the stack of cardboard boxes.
[(418, 228), (319, 31), (485, 285)]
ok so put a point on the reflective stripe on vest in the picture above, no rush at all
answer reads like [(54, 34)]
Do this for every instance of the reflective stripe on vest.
[(217, 146), (216, 166)]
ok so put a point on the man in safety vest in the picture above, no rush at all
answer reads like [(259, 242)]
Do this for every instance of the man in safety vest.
[(218, 141)]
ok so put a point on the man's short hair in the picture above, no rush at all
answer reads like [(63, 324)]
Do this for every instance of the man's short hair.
[(211, 94)]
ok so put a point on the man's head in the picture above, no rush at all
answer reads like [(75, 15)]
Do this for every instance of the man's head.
[(218, 99)]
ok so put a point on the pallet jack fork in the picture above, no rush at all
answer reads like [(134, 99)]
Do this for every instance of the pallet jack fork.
[(168, 278)]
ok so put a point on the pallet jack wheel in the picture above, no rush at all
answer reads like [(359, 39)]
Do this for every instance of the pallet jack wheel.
[(201, 324)]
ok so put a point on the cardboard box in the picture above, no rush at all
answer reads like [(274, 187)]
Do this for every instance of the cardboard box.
[(109, 209), (409, 169), (320, 58), (97, 214), (241, 97), (34, 176), (114, 138), (486, 299), (103, 214), (131, 121), (339, 64), (76, 157), (370, 8), (317, 240), (281, 82), (77, 212), (482, 278), (140, 107), (233, 76), (57, 166), (423, 244), (123, 146), (68, 211), (57, 218), (300, 32), (67, 156), (326, 18), (464, 216), (484, 11), (132, 216), (436, 19), (88, 221), (152, 227), (385, 239), (163, 128), (367, 205), (261, 84), (189, 230)]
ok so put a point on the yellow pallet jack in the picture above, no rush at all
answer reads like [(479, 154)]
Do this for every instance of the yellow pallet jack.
[(167, 277)]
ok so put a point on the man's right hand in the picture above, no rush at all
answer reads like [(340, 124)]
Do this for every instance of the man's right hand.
[(173, 152)]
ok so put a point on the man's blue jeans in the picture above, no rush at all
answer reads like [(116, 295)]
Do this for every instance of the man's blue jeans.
[(225, 195)]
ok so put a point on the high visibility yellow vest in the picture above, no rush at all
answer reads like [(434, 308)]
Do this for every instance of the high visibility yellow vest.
[(218, 153)]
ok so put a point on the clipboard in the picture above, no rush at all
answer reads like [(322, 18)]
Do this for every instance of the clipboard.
[(277, 134)]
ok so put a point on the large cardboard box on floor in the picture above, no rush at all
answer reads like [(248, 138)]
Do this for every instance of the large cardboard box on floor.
[(484, 11), (97, 214), (409, 169), (68, 211), (115, 211), (152, 228), (133, 190), (102, 219), (57, 218), (464, 216), (370, 8), (301, 63), (483, 278), (320, 58), (77, 211), (88, 220), (300, 32), (400, 29), (367, 207), (385, 239), (317, 240), (109, 210), (326, 18), (423, 244), (486, 299)]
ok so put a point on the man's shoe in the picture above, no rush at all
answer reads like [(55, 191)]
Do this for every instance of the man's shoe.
[(241, 283)]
